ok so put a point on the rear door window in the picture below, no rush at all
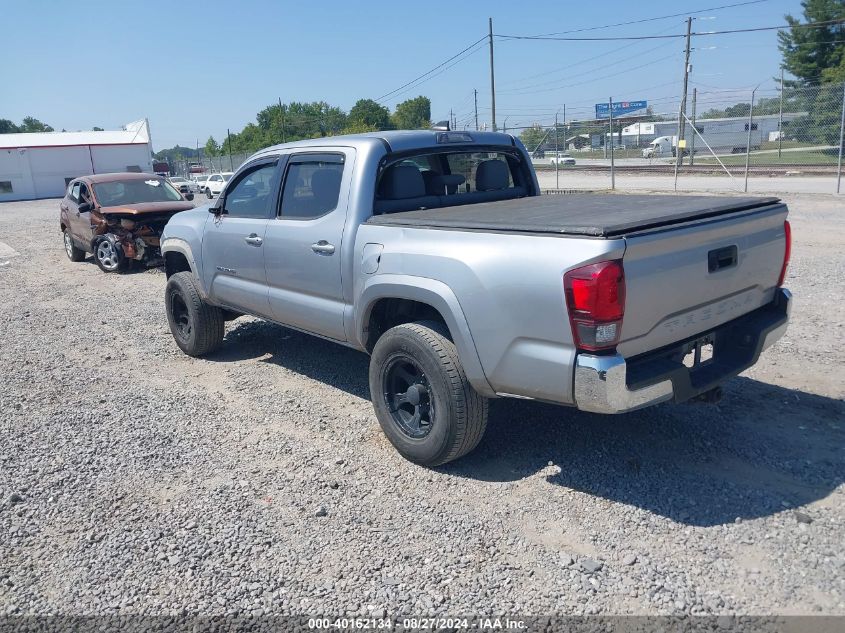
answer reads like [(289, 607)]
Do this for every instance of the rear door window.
[(312, 185)]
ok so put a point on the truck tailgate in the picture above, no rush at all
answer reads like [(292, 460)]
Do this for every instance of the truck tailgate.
[(684, 280)]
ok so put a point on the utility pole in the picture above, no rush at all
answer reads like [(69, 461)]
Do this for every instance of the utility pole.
[(492, 75), (282, 110), (612, 166), (780, 115), (683, 109), (451, 120), (475, 92), (692, 136)]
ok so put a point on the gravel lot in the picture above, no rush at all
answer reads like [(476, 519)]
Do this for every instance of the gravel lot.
[(134, 479)]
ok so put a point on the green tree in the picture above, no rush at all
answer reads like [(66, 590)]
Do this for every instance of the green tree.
[(811, 54), (532, 137), (413, 114), (816, 58), (31, 124), (175, 154), (8, 127), (212, 147), (97, 129), (368, 114)]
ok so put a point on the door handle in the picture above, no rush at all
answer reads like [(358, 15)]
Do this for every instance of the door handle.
[(323, 248), (254, 240)]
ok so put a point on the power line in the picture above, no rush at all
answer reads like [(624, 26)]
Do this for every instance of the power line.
[(478, 49), (583, 83), (440, 65), (662, 17), (586, 72), (674, 35), (588, 59)]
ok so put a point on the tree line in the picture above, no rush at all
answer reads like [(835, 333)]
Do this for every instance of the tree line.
[(29, 124), (286, 122)]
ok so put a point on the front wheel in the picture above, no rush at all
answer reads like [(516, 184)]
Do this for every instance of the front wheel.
[(109, 255), (197, 326), (422, 398), (208, 193)]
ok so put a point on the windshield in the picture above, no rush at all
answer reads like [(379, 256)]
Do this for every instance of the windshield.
[(226, 177), (118, 192)]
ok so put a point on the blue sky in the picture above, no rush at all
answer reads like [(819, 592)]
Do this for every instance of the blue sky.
[(196, 68)]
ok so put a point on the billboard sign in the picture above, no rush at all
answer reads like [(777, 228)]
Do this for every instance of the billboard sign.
[(620, 108)]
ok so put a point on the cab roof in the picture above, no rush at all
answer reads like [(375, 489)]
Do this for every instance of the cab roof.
[(402, 140)]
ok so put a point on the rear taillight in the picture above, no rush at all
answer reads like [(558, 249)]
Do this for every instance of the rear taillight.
[(787, 251), (595, 296)]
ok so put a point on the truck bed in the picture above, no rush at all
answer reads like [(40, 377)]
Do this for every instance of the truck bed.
[(593, 215)]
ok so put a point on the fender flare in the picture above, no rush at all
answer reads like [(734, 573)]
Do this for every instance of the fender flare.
[(439, 296), (178, 245)]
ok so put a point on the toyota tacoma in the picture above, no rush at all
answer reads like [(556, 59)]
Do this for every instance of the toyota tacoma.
[(435, 253)]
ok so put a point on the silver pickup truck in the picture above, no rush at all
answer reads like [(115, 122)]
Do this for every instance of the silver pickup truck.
[(434, 252)]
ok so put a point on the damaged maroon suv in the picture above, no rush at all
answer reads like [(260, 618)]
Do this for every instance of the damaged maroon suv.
[(118, 218)]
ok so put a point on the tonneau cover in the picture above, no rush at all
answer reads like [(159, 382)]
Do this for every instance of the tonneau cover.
[(596, 215)]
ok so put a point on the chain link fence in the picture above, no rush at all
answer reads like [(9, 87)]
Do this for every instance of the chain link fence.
[(784, 138), (731, 140), (207, 164)]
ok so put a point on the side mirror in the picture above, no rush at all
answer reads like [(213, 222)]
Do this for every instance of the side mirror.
[(84, 207), (189, 196)]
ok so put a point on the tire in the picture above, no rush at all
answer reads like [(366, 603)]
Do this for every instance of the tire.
[(74, 254), (450, 415), (208, 193), (109, 255), (197, 327)]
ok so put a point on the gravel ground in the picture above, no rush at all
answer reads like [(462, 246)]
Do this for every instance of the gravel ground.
[(134, 479)]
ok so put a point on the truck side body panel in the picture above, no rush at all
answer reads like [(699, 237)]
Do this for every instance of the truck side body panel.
[(510, 289)]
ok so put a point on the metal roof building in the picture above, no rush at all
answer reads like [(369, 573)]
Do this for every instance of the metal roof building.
[(39, 165)]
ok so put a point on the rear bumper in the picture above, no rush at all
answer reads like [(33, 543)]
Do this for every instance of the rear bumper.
[(612, 384)]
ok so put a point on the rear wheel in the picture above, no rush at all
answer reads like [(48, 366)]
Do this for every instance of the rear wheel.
[(197, 327), (74, 254), (422, 398)]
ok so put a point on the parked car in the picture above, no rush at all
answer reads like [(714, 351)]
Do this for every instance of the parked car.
[(215, 183), (184, 185), (435, 253), (118, 218), (562, 159), (199, 180)]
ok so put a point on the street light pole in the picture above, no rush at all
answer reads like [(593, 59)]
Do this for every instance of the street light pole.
[(557, 157), (612, 166), (748, 139)]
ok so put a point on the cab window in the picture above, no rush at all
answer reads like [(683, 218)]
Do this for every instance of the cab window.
[(251, 195), (312, 185)]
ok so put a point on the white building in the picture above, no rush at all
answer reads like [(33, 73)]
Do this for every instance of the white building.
[(642, 133), (40, 164)]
